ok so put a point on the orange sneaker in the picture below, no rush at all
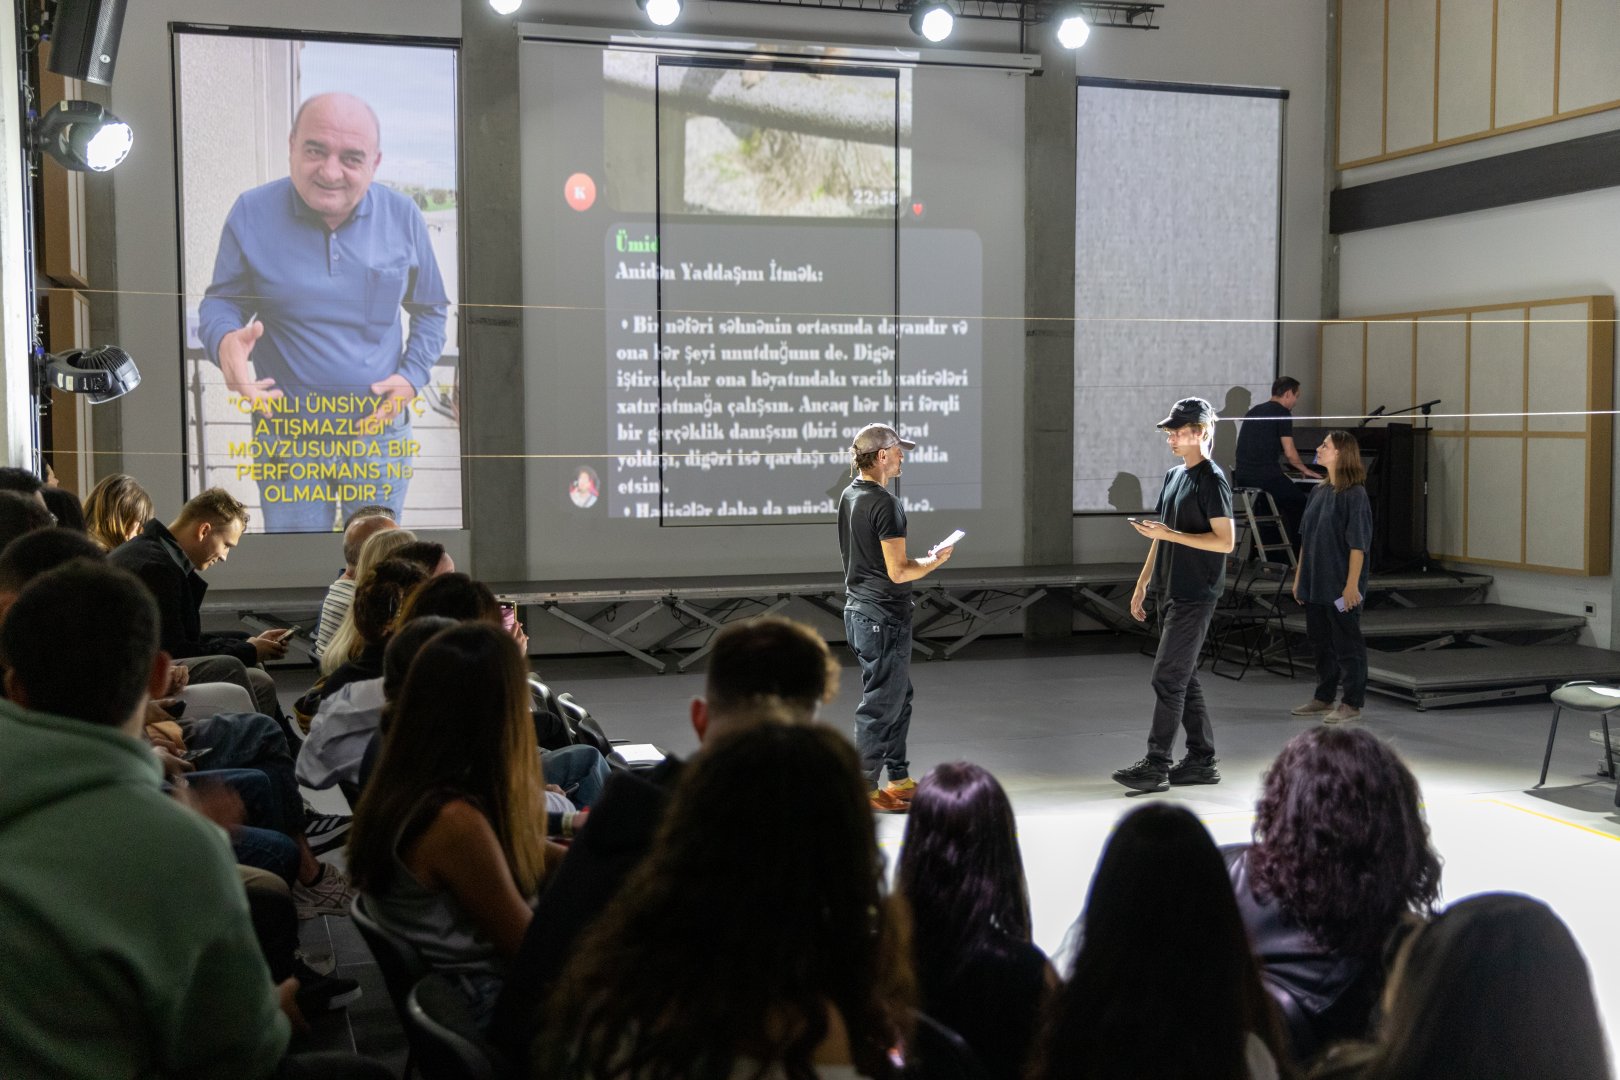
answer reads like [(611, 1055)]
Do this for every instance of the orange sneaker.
[(902, 790), (885, 801)]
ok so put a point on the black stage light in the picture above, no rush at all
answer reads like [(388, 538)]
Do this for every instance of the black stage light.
[(102, 373), (661, 12), (82, 135), (933, 21)]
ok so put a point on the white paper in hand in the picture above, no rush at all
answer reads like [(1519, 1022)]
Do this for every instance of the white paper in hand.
[(949, 541)]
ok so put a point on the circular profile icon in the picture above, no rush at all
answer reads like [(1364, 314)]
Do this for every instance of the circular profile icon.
[(582, 491), (580, 191)]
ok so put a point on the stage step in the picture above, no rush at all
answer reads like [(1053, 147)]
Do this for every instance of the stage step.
[(1434, 677), (1454, 622)]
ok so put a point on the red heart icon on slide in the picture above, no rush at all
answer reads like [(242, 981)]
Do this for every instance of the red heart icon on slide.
[(916, 209)]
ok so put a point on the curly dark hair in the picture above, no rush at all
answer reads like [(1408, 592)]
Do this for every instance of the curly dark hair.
[(1340, 842), (453, 596), (739, 931), (961, 871)]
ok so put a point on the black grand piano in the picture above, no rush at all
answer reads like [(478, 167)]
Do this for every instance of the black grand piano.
[(1397, 460)]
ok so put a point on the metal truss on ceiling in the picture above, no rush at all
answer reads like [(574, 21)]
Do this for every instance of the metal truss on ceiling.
[(1118, 14)]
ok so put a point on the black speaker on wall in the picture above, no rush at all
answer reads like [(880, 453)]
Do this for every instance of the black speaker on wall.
[(84, 39)]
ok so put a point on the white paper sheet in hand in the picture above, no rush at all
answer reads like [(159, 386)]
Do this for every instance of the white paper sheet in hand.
[(949, 541)]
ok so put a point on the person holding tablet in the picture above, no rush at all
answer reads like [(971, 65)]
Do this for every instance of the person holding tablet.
[(877, 610)]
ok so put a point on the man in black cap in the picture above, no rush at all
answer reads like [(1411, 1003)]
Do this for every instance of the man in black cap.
[(1186, 566), (877, 610)]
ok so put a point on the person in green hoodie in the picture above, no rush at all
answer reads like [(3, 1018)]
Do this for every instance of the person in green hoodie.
[(128, 948)]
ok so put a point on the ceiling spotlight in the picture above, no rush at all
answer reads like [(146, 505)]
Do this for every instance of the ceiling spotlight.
[(1073, 30), (102, 373), (82, 135), (661, 12), (505, 7), (933, 21)]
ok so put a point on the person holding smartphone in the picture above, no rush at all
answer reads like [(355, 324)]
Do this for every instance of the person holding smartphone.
[(1186, 568), (1332, 579)]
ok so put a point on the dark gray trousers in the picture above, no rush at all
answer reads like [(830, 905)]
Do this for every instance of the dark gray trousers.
[(1183, 625)]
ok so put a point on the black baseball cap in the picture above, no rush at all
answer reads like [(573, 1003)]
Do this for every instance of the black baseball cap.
[(1189, 410)]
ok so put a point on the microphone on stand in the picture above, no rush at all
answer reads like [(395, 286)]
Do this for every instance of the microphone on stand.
[(1368, 418)]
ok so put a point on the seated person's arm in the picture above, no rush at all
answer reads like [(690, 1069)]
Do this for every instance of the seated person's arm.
[(461, 854), (902, 569)]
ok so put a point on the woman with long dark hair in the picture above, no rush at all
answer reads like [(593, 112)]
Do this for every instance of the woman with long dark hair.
[(1164, 985), (749, 945), (1331, 580), (1340, 857), (1494, 989), (978, 972), (448, 842)]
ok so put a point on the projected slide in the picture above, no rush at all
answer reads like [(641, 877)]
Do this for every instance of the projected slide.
[(319, 248), (768, 283)]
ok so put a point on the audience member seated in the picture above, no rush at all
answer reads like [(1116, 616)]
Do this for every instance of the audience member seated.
[(21, 514), (751, 944), (348, 721), (764, 670), (1164, 985), (22, 481), (1494, 989), (361, 526), (64, 507), (578, 772), (101, 975), (448, 843), (1340, 857), (431, 554), (244, 748), (344, 644), (978, 972), (116, 510), (377, 604), (170, 560)]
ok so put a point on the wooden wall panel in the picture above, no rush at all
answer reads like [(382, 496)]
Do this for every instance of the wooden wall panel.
[(1526, 38), (1496, 370), (1464, 94), (1589, 45), (1361, 84), (1344, 366), (1504, 490), (1418, 74), (1442, 366), (1410, 85), (1495, 496)]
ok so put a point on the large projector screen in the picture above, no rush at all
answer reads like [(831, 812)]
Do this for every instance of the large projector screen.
[(732, 267), (319, 250), (1177, 240)]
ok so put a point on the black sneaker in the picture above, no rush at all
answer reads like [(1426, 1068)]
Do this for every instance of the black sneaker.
[(1145, 775), (326, 832), (318, 993), (1191, 770)]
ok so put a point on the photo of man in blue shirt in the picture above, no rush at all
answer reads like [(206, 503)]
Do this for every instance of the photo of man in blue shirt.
[(303, 318)]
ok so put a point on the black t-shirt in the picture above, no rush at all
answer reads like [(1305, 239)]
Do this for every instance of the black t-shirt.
[(1188, 502), (994, 1003), (1259, 446), (869, 514)]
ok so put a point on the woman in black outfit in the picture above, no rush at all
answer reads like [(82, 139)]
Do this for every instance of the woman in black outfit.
[(978, 973), (1332, 579)]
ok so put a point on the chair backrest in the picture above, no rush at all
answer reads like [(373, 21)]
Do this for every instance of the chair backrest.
[(584, 726), (938, 1053), (444, 1035), (401, 967), (551, 728)]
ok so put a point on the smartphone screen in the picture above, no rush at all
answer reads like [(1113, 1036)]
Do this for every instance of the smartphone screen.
[(508, 614)]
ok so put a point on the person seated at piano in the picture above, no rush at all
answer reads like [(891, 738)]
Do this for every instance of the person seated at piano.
[(1332, 579), (1265, 439)]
